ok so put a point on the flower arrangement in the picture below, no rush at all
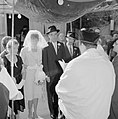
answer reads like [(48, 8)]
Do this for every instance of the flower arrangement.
[(75, 48), (58, 44)]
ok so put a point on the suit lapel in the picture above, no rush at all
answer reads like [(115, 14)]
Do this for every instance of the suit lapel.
[(67, 51)]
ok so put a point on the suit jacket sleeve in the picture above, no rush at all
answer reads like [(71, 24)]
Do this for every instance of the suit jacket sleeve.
[(115, 64), (115, 94), (45, 61)]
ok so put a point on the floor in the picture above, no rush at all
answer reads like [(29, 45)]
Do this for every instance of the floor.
[(42, 110)]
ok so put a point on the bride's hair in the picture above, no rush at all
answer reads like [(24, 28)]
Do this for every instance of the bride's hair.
[(35, 34)]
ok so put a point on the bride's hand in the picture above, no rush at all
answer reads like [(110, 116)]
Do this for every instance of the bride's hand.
[(47, 79)]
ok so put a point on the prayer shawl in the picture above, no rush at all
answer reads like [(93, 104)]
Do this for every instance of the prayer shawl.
[(7, 81), (4, 101), (86, 86)]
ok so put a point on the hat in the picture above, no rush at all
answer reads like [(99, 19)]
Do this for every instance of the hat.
[(70, 34), (52, 29), (89, 36)]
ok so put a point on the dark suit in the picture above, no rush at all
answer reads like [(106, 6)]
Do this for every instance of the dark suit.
[(68, 57), (4, 101), (114, 101), (54, 71)]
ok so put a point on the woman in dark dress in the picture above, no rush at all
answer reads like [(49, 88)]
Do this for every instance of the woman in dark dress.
[(19, 105)]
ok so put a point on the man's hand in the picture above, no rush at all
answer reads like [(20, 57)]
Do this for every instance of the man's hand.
[(14, 80)]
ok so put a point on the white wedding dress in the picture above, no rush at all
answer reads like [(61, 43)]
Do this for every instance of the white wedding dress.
[(32, 60)]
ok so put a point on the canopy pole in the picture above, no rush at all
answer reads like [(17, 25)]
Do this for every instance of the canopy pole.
[(71, 27), (12, 64), (80, 22)]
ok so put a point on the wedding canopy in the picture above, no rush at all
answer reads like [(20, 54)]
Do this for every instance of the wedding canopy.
[(55, 11), (111, 6)]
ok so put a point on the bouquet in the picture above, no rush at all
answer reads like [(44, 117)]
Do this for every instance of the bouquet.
[(39, 75)]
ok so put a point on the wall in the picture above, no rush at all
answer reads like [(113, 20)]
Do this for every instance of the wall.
[(3, 28), (44, 27)]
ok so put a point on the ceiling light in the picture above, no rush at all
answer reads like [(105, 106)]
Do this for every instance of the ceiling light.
[(60, 2), (9, 16), (109, 0), (19, 16)]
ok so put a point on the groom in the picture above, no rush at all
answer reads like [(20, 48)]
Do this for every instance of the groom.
[(51, 54)]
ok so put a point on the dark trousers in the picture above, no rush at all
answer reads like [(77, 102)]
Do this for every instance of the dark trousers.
[(114, 103), (52, 95), (113, 111)]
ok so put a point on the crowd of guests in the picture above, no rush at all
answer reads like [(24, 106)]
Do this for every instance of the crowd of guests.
[(85, 89)]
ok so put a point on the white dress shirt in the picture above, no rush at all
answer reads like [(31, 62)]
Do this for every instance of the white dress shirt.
[(55, 46)]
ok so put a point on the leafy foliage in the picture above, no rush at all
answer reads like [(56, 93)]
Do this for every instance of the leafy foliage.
[(96, 19)]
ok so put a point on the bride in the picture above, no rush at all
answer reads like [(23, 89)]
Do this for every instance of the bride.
[(31, 55)]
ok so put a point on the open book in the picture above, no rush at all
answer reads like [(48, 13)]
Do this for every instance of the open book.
[(62, 64)]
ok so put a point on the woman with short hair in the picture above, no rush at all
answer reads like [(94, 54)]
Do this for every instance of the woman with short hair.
[(13, 57), (4, 43)]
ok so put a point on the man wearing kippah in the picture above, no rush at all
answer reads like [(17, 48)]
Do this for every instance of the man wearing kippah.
[(87, 84)]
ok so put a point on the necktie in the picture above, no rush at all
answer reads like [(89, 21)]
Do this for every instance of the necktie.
[(55, 47), (71, 52)]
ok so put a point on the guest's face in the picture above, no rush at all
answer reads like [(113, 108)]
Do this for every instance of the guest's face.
[(71, 40), (62, 37), (115, 47), (13, 50), (53, 36)]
